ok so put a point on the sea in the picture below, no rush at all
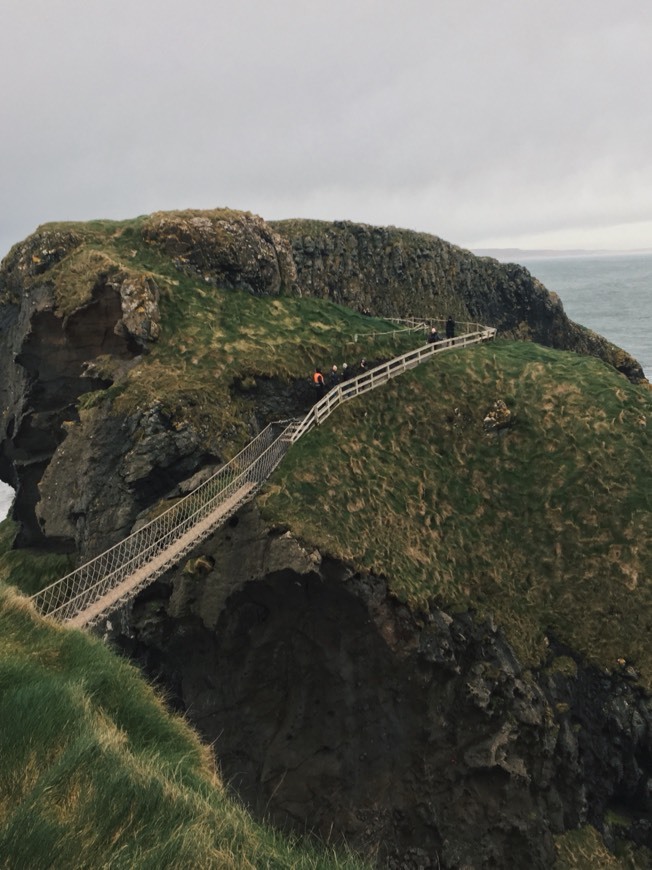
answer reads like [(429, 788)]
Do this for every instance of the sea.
[(609, 293)]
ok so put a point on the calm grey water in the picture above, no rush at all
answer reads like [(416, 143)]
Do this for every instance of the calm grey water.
[(610, 294)]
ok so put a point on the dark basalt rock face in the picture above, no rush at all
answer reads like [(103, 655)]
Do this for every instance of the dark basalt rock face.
[(80, 480), (417, 737), (44, 384), (400, 273)]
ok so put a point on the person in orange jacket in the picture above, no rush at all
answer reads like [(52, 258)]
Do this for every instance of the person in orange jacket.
[(318, 381)]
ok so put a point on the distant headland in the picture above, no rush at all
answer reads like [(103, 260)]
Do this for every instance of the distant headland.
[(516, 254)]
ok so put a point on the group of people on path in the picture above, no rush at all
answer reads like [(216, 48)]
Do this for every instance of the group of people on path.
[(450, 332), (322, 383), (335, 376)]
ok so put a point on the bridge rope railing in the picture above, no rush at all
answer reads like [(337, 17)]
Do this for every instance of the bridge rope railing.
[(146, 553), (72, 594), (404, 326), (408, 325)]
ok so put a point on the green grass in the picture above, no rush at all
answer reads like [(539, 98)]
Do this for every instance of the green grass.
[(95, 773), (546, 527), (28, 570), (210, 338)]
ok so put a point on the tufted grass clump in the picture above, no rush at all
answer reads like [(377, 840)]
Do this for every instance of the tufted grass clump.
[(544, 525), (27, 569), (584, 849)]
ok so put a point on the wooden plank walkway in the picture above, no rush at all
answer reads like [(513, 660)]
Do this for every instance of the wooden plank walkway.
[(166, 557)]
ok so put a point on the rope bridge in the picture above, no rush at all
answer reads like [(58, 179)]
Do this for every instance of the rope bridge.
[(105, 583)]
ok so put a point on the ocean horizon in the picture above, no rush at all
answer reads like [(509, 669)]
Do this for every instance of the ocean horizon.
[(610, 293)]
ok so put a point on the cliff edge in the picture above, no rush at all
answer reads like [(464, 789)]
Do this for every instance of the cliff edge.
[(430, 635)]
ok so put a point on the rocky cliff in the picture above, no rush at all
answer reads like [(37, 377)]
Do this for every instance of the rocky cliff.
[(395, 272), (417, 735), (137, 356), (80, 309), (79, 314)]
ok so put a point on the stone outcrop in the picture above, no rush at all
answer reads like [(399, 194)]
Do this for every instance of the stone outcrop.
[(497, 417), (105, 473), (400, 273), (226, 248), (418, 737), (73, 320), (80, 478)]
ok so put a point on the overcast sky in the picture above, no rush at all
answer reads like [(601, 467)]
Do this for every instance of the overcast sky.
[(512, 123)]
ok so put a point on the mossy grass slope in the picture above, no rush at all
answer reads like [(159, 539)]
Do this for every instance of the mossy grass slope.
[(26, 569), (210, 337), (545, 526), (95, 773)]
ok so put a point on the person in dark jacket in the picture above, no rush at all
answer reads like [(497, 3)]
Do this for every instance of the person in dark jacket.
[(334, 377), (434, 336), (450, 327)]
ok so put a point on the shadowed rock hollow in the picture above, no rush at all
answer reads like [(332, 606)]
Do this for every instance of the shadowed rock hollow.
[(417, 737)]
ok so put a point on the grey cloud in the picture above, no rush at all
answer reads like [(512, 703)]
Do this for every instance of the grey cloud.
[(465, 119)]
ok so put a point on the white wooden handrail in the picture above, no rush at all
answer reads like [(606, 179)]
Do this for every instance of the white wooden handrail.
[(382, 373)]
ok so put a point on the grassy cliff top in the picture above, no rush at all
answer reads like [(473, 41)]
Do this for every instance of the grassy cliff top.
[(95, 772), (210, 338), (544, 525)]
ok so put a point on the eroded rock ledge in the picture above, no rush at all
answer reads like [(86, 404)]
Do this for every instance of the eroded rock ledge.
[(418, 737)]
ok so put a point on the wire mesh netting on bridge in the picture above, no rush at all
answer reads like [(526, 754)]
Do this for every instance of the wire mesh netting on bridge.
[(107, 581), (159, 540)]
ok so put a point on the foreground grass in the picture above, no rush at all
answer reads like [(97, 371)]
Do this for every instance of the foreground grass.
[(545, 527), (584, 849), (95, 773)]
